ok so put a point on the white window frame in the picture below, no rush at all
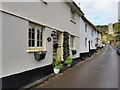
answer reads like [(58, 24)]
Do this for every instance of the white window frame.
[(86, 27), (85, 42), (35, 48), (92, 32), (72, 14), (72, 41)]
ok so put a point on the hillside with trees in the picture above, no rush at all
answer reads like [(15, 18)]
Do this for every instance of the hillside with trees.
[(106, 37)]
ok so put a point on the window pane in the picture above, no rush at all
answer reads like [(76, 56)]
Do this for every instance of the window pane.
[(29, 43), (38, 43), (38, 31), (33, 35), (29, 35), (33, 43), (33, 30), (38, 37)]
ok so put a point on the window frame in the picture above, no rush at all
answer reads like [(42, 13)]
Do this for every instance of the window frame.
[(72, 14), (36, 47), (85, 27), (72, 41), (85, 42)]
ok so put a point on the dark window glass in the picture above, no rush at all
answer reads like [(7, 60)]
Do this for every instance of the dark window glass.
[(33, 43), (38, 44), (29, 35), (29, 43)]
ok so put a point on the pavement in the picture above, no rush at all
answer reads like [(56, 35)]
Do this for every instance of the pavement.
[(98, 72)]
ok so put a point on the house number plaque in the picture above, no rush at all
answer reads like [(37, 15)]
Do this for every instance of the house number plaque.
[(49, 39)]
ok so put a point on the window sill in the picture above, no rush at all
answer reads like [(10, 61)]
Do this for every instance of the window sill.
[(72, 21), (72, 49), (32, 50)]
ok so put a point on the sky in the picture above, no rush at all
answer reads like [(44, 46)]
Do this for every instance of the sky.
[(99, 12)]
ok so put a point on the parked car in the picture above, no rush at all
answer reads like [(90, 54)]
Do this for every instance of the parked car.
[(118, 49)]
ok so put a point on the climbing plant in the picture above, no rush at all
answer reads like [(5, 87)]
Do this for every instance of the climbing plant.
[(66, 45)]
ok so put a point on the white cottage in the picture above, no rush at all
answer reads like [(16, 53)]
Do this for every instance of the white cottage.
[(88, 38), (28, 27)]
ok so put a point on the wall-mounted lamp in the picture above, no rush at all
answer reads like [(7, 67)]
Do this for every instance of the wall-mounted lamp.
[(53, 33)]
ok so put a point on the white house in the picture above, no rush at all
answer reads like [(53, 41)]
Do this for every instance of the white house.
[(28, 27), (88, 37), (99, 39)]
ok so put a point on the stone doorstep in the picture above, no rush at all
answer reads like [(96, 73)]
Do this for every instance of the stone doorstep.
[(52, 74)]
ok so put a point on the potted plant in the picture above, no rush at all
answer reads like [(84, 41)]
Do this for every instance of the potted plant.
[(68, 62), (57, 65)]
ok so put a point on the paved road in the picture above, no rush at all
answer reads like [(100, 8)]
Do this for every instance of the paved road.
[(99, 72)]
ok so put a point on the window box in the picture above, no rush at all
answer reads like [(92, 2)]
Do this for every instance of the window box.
[(40, 55)]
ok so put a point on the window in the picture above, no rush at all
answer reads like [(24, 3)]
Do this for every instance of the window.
[(85, 42), (72, 41), (85, 27), (35, 36), (92, 43), (72, 14), (92, 32)]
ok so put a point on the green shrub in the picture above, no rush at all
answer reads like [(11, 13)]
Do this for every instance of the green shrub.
[(66, 45), (68, 61), (57, 63)]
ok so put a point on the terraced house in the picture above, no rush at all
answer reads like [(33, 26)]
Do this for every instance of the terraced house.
[(29, 27)]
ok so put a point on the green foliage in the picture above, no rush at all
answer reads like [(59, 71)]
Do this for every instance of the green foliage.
[(57, 66), (104, 39), (117, 31), (66, 45), (110, 38), (39, 55), (68, 61), (102, 28), (57, 63)]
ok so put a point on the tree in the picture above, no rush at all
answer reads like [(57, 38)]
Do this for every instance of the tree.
[(117, 31)]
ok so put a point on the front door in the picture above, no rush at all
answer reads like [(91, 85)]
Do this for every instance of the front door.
[(58, 40)]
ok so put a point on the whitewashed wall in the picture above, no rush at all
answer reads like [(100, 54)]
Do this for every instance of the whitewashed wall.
[(15, 56), (83, 35), (55, 14), (0, 45), (88, 35)]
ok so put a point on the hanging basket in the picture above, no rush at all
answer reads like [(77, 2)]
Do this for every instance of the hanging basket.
[(40, 55)]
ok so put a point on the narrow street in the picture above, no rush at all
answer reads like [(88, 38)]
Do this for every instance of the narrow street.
[(99, 72)]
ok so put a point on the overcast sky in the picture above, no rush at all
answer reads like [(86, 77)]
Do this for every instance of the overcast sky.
[(99, 12)]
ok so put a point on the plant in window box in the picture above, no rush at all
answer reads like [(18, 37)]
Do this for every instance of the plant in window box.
[(74, 52), (40, 55), (57, 65), (68, 61)]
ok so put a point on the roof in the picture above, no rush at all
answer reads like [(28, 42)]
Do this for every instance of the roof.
[(78, 10), (74, 6), (87, 21)]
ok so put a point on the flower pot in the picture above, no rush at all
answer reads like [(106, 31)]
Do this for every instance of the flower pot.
[(56, 71), (68, 65)]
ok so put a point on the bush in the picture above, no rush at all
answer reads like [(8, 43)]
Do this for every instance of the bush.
[(57, 63), (68, 61)]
